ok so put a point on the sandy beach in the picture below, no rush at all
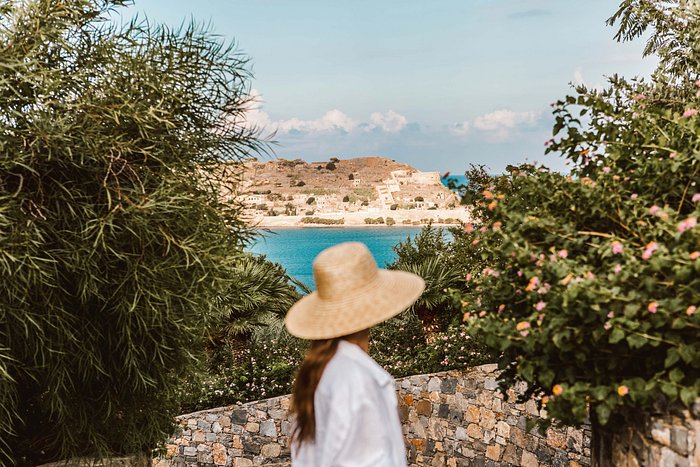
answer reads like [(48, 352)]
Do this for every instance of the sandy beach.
[(357, 219)]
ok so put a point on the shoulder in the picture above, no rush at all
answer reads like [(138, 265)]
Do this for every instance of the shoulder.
[(352, 367)]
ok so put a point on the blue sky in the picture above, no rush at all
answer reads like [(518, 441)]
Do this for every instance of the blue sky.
[(436, 84)]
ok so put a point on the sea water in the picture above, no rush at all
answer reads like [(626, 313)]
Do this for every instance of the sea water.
[(295, 248)]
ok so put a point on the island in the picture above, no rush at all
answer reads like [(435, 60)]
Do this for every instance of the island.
[(349, 192)]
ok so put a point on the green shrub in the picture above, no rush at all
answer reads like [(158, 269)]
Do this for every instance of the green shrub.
[(593, 279), (116, 242), (321, 220), (390, 221)]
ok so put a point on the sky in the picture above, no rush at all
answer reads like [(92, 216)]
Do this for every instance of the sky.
[(438, 84)]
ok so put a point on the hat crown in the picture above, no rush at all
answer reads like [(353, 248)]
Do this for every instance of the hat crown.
[(343, 268)]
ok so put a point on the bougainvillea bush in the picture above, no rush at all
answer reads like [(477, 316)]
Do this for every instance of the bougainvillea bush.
[(593, 282)]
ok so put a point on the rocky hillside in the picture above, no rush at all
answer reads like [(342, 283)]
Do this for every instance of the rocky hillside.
[(345, 185)]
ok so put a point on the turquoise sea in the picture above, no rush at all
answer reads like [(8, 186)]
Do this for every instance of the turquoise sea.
[(296, 248)]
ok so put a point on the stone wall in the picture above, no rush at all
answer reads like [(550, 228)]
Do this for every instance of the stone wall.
[(452, 418), (669, 440)]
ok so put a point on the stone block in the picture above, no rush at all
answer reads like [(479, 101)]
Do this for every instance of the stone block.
[(424, 407), (443, 410), (242, 462), (448, 386), (472, 415), (502, 429), (271, 450), (434, 384), (493, 452), (239, 416), (528, 459), (252, 427), (216, 427), (679, 440), (474, 431), (219, 454), (460, 433), (661, 433)]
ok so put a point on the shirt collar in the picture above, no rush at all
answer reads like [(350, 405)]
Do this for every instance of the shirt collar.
[(354, 352)]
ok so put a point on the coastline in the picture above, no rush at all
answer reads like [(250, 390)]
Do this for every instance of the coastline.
[(402, 218)]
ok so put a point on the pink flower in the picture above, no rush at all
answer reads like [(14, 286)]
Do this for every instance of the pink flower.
[(563, 253), (652, 307), (672, 155), (522, 325), (590, 276), (540, 306), (501, 307), (695, 255), (468, 277), (634, 196), (534, 282), (690, 113), (697, 83), (623, 390), (607, 326), (687, 224), (520, 274), (617, 269), (653, 210), (696, 198), (616, 247), (497, 225), (639, 97), (606, 169), (649, 250), (611, 314), (469, 228), (524, 333), (691, 310)]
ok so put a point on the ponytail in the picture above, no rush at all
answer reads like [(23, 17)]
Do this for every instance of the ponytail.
[(307, 379)]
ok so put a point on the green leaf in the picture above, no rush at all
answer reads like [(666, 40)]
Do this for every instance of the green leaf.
[(676, 375), (688, 396), (672, 356), (635, 341), (669, 389), (616, 336)]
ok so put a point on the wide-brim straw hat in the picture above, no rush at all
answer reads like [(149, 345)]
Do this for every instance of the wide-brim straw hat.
[(352, 294)]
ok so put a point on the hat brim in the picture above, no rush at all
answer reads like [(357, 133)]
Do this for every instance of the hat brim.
[(389, 294)]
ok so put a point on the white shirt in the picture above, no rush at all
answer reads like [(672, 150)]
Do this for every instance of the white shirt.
[(357, 418)]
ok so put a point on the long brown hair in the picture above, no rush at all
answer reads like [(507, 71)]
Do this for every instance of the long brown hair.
[(309, 375)]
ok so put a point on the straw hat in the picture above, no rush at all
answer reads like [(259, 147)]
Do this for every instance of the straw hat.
[(351, 294)]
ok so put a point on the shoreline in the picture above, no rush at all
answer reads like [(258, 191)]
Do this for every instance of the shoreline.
[(403, 218)]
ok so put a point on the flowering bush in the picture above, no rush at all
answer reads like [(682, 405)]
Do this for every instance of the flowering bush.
[(592, 293)]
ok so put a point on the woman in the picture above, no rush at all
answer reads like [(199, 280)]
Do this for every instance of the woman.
[(344, 403)]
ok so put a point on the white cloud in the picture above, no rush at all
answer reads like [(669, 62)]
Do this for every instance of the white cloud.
[(499, 125), (254, 115), (391, 122), (460, 128), (331, 120)]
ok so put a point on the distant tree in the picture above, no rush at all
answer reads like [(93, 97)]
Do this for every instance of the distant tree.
[(394, 207), (346, 199), (311, 200), (300, 183), (418, 199), (335, 159), (330, 166), (351, 177), (116, 242)]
